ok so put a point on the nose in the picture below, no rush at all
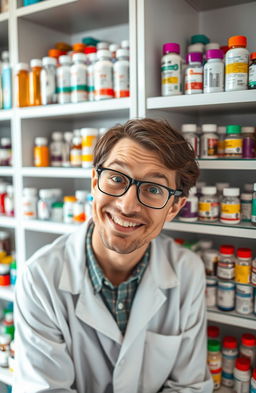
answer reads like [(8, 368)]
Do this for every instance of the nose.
[(128, 203)]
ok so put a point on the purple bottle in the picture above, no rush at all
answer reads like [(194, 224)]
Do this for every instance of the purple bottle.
[(249, 143)]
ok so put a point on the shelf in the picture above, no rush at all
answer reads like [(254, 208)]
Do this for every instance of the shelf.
[(227, 164), (78, 173), (6, 376), (7, 293), (6, 171), (4, 16), (245, 230), (231, 318), (79, 15), (203, 5), (6, 114), (8, 222), (48, 226), (244, 100), (114, 108)]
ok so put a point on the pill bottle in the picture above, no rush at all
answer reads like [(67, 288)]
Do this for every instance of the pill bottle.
[(194, 74), (57, 212), (244, 299), (6, 81), (121, 74), (214, 360), (5, 279), (48, 81), (226, 296), (102, 46), (233, 142), (200, 39), (67, 144), (210, 258), (249, 142), (3, 194), (22, 84), (29, 203), (34, 82), (208, 208), (253, 218), (189, 212), (79, 207), (221, 131), (5, 152), (68, 209), (230, 206), (226, 263), (44, 204), (113, 49), (89, 139), (209, 142), (41, 152), (229, 355), (252, 71), (243, 265), (125, 44), (9, 201), (199, 47), (204, 245), (253, 274), (5, 340), (242, 375), (63, 80), (91, 60), (171, 70), (189, 132), (55, 54), (211, 292), (248, 347), (213, 332), (236, 64), (76, 152), (78, 78), (103, 76), (246, 207), (214, 71), (56, 149)]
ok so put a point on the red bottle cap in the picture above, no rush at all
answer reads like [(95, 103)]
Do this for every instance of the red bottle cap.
[(229, 342), (90, 49), (244, 252), (213, 331), (253, 56), (254, 374), (243, 363), (248, 339), (227, 249)]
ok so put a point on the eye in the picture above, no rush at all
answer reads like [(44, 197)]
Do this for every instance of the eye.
[(155, 190), (117, 179)]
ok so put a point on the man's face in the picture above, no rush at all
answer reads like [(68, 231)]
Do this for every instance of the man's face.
[(111, 215)]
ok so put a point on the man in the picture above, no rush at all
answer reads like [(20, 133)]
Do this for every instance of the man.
[(115, 307)]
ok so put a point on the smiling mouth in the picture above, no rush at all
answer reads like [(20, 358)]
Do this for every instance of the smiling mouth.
[(124, 224)]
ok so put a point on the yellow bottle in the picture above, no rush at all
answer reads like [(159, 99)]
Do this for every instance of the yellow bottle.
[(34, 82), (22, 85)]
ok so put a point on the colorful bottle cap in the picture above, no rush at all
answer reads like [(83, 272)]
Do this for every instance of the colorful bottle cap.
[(237, 40), (243, 363), (227, 249), (199, 38), (79, 47), (90, 41), (244, 252), (224, 49), (233, 129), (213, 331), (230, 342), (214, 54), (253, 56), (195, 57), (213, 345), (56, 53), (90, 49), (248, 339), (171, 47)]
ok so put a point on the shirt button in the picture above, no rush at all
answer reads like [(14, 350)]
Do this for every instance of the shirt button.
[(120, 306)]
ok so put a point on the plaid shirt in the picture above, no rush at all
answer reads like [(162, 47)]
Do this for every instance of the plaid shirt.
[(118, 299)]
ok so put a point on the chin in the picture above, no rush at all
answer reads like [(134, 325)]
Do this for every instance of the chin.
[(119, 246)]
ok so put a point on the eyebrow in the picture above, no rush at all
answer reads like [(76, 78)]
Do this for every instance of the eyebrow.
[(157, 175)]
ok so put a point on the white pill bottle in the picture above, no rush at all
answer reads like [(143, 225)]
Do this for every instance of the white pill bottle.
[(236, 64), (171, 70)]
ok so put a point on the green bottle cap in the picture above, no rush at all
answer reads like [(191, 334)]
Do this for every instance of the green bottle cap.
[(213, 345), (9, 330), (13, 265), (199, 38), (90, 41), (233, 129), (58, 205)]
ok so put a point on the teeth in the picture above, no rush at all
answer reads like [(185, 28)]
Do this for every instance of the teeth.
[(123, 223)]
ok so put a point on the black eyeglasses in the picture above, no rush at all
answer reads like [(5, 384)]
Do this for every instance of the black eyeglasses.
[(115, 183)]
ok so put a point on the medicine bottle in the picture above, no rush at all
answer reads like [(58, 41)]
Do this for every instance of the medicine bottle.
[(189, 212), (5, 152), (243, 265), (29, 203), (79, 207), (221, 141), (226, 263), (229, 355), (254, 205), (125, 44), (249, 142), (91, 60), (44, 204), (253, 382), (214, 71), (34, 82), (171, 70), (121, 74), (200, 39), (230, 206), (56, 149), (102, 46), (57, 212), (3, 194), (242, 375), (211, 293), (246, 207), (214, 360), (211, 46), (113, 49), (78, 78), (213, 332), (208, 209), (48, 81), (68, 136), (6, 81), (252, 71), (244, 299), (103, 76), (63, 80), (233, 142), (226, 296), (194, 73), (248, 347), (41, 152), (76, 152), (68, 209), (22, 85), (209, 142), (5, 340), (9, 201), (210, 258), (89, 139), (189, 132), (236, 64)]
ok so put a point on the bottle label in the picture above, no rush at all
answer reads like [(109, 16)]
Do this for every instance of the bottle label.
[(171, 77), (233, 146), (252, 76), (236, 72), (103, 82), (246, 211), (75, 157), (230, 212), (243, 273), (213, 77), (194, 80), (78, 84), (254, 210), (190, 210), (208, 209), (121, 80)]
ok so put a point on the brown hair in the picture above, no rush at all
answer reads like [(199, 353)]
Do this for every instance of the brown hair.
[(158, 136)]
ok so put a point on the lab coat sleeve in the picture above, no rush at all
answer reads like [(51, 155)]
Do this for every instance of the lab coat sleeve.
[(190, 373), (43, 363)]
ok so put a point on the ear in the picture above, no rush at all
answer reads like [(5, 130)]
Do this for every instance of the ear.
[(94, 181), (175, 208)]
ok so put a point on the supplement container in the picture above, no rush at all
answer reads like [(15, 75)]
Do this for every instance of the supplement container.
[(221, 141), (194, 73), (3, 194), (5, 279), (214, 71), (76, 152), (5, 340), (89, 139), (209, 142), (211, 293), (34, 82), (57, 212), (226, 296), (48, 81), (226, 263), (125, 44), (214, 360), (203, 245), (6, 81), (213, 332), (68, 209), (229, 355), (236, 64), (44, 204), (243, 265), (248, 142), (29, 203), (79, 208), (56, 149), (79, 47), (210, 258), (254, 205), (244, 299), (199, 38), (230, 206), (68, 136), (102, 46), (171, 70), (63, 80), (9, 202), (113, 49), (252, 72), (91, 60), (242, 375), (41, 152), (246, 207), (189, 132), (121, 74), (208, 209), (5, 152), (233, 142), (248, 347), (22, 85), (78, 75), (189, 212), (103, 76)]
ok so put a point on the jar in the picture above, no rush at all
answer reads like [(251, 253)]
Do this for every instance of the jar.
[(254, 205), (5, 279), (246, 207), (34, 82), (242, 375), (121, 73), (236, 64), (203, 245), (189, 212), (89, 139), (209, 142), (229, 355), (244, 299), (194, 73), (213, 332), (41, 152), (248, 347), (48, 81), (226, 263), (78, 72), (214, 71), (22, 85), (56, 149), (230, 206), (226, 296), (57, 212), (252, 71), (29, 203), (248, 142), (68, 209), (210, 258), (5, 152), (214, 361), (221, 141), (233, 142), (243, 265), (63, 80), (171, 74), (211, 293), (208, 205), (189, 132)]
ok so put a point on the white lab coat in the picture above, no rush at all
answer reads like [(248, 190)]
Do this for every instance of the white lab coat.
[(67, 340)]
